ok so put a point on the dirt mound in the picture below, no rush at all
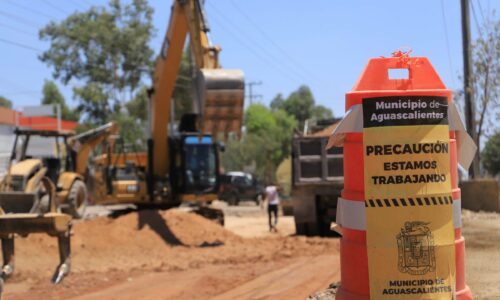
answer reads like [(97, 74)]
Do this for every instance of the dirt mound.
[(106, 250), (109, 250), (145, 239), (152, 228)]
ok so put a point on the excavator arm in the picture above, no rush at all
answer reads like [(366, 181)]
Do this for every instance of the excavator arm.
[(85, 142), (219, 93)]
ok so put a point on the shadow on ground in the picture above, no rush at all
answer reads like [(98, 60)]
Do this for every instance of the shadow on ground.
[(155, 221)]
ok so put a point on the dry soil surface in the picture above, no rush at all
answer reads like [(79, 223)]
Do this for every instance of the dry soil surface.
[(175, 255), (482, 253), (179, 255)]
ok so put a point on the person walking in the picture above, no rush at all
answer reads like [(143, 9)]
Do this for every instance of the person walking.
[(273, 202)]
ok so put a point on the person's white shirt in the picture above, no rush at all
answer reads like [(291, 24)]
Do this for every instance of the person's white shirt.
[(272, 195)]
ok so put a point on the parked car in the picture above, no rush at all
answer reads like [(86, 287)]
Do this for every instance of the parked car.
[(240, 186)]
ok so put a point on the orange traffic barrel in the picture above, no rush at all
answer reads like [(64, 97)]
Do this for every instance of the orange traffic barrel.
[(422, 83)]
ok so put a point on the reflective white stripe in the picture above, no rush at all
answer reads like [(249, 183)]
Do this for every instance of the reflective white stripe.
[(352, 214), (457, 213)]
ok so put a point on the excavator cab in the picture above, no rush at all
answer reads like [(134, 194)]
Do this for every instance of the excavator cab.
[(199, 164)]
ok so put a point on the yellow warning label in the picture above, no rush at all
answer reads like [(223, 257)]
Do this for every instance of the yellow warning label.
[(409, 208)]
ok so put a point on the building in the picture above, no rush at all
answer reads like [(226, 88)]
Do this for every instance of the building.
[(9, 119)]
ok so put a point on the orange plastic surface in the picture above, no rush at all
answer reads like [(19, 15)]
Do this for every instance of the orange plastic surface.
[(374, 82)]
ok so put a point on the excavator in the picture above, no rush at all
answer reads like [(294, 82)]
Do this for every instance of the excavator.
[(45, 189), (181, 163)]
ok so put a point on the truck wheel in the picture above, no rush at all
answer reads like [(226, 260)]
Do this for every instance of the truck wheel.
[(77, 200), (233, 199), (258, 200)]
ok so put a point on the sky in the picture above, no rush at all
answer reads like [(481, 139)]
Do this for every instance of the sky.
[(281, 44)]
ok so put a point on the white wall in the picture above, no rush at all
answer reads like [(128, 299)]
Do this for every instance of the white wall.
[(6, 142)]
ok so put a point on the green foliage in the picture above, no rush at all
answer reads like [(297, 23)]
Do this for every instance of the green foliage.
[(277, 102), (183, 91), (490, 156), (259, 119), (138, 107), (131, 132), (319, 112), (265, 144), (300, 104), (52, 95), (4, 102), (95, 106), (107, 50)]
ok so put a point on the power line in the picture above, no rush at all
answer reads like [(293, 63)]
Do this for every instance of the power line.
[(33, 11), (256, 54), (78, 4), (17, 29), (27, 92), (20, 45), (273, 59), (88, 3), (55, 7), (271, 40), (475, 19), (447, 43), (251, 95), (481, 11), (19, 19)]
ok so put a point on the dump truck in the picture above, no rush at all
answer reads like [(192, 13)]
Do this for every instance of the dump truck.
[(317, 180)]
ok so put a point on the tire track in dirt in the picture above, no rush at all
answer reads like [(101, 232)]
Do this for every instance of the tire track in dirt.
[(291, 279)]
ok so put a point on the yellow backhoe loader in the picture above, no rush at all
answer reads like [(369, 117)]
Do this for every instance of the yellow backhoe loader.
[(44, 189)]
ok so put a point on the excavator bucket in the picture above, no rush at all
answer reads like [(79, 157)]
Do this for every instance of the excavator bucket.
[(221, 95)]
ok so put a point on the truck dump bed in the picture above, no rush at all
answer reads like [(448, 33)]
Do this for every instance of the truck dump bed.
[(317, 183)]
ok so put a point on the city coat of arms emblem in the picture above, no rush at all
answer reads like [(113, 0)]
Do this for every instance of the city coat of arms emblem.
[(416, 249)]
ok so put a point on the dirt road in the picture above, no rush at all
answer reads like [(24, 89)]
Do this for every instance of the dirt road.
[(180, 255), (284, 279), (482, 253), (175, 254)]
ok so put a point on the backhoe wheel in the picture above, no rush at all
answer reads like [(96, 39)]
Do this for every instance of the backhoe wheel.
[(44, 195), (77, 200)]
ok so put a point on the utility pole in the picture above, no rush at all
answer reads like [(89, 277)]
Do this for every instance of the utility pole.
[(251, 95), (470, 108)]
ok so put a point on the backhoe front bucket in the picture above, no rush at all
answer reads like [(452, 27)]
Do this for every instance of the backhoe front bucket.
[(221, 94), (22, 214)]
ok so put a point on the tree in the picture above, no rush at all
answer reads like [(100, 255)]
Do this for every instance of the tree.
[(4, 102), (320, 112), (486, 78), (131, 132), (277, 102), (265, 144), (300, 104), (138, 107), (490, 156), (183, 91), (259, 119), (51, 95), (106, 49), (486, 72)]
